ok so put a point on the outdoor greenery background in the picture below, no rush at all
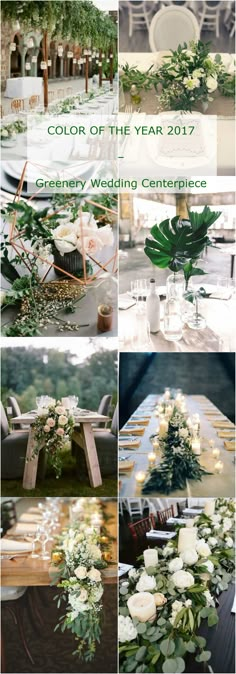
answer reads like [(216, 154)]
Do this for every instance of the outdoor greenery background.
[(25, 375)]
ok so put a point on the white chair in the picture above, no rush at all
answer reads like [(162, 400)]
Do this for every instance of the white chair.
[(209, 18), (172, 26), (139, 16), (135, 506)]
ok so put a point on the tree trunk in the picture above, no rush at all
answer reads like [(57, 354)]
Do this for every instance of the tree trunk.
[(45, 72)]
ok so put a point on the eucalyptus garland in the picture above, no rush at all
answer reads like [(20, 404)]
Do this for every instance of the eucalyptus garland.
[(79, 557), (185, 587), (179, 463)]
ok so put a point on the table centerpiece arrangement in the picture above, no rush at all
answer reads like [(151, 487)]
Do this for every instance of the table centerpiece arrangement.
[(81, 552), (67, 240), (163, 604)]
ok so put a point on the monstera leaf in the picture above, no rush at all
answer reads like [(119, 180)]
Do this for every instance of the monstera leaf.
[(179, 243)]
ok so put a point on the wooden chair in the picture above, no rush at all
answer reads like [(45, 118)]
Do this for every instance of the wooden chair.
[(8, 515), (140, 528), (2, 112), (51, 95), (17, 104), (69, 91), (60, 93), (164, 515), (33, 102)]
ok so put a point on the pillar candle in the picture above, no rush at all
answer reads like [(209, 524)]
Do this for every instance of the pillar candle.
[(216, 453), (196, 446), (209, 507), (150, 557), (142, 606), (163, 428), (189, 523), (187, 538)]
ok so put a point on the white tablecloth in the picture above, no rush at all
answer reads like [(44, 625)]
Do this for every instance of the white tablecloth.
[(24, 87)]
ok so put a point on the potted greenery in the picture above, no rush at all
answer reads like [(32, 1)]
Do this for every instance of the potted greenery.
[(178, 244)]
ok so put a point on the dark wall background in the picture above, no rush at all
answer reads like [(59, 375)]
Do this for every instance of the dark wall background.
[(210, 374)]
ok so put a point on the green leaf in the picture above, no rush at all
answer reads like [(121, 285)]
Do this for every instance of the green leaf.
[(180, 665), (167, 647), (124, 590), (141, 628), (204, 656), (140, 655), (201, 641), (191, 619), (169, 666), (190, 646)]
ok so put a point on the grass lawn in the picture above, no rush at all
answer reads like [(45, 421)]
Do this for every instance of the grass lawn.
[(66, 485)]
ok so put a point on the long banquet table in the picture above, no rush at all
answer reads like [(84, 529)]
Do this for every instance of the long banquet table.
[(83, 433), (221, 484)]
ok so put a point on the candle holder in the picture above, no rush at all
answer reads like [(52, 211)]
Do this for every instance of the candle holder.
[(216, 453), (219, 467), (196, 445), (152, 459), (140, 477)]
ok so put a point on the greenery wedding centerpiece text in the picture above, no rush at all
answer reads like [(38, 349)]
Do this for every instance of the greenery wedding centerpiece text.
[(163, 606)]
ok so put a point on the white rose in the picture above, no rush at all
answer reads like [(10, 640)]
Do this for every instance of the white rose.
[(215, 518), (208, 564), (216, 526), (91, 244), (167, 551), (203, 548), (65, 238), (182, 579), (4, 133), (106, 235), (81, 572), (227, 524), (133, 573), (189, 557), (188, 603), (175, 565), (94, 575), (146, 583), (212, 541), (42, 412), (206, 531), (126, 629), (211, 83), (62, 420), (59, 409), (183, 433), (209, 598), (85, 223), (229, 542), (83, 595), (176, 606), (95, 551), (50, 422)]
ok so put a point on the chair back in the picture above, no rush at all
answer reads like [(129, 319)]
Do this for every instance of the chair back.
[(16, 411), (134, 506), (172, 26), (140, 528), (103, 408), (164, 515), (4, 424), (17, 104), (8, 515), (33, 102), (114, 423)]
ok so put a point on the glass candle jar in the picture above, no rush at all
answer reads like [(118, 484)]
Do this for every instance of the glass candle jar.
[(173, 327)]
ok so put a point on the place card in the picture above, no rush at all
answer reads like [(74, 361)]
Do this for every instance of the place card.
[(223, 424), (140, 422), (230, 446), (129, 443), (125, 465), (226, 434)]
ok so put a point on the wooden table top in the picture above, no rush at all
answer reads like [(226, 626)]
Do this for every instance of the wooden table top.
[(220, 484), (93, 417), (28, 571)]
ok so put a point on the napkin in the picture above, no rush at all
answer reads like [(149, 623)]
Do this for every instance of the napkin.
[(226, 434), (223, 424), (27, 528), (145, 422), (133, 431), (34, 510), (30, 517), (125, 465), (129, 443), (230, 446), (10, 545)]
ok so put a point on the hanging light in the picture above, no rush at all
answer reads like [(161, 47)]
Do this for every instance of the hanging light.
[(30, 43), (85, 52), (49, 62), (111, 56), (27, 65), (103, 55), (74, 60), (90, 59), (97, 61), (60, 50), (89, 52), (12, 46), (16, 25), (108, 60), (97, 54), (43, 65), (93, 55), (84, 60), (100, 64), (70, 54)]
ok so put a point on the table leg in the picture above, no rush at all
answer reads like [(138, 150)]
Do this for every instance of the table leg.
[(31, 465), (91, 456), (232, 267)]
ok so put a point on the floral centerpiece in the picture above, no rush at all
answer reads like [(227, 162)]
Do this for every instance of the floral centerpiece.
[(178, 463), (73, 239), (183, 588), (52, 427), (79, 557), (189, 76)]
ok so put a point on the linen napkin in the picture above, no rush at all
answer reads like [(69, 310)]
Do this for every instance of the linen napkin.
[(125, 465), (230, 446), (129, 443), (10, 545), (134, 430), (229, 435), (30, 517), (140, 422), (223, 424), (27, 528)]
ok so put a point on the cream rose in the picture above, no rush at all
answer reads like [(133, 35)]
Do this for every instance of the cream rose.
[(159, 599), (182, 579), (94, 575), (126, 629), (83, 595), (106, 235), (203, 548), (60, 431), (175, 565), (146, 583), (211, 83), (208, 564), (65, 238), (229, 542), (62, 420), (81, 572), (95, 551), (46, 428), (42, 412), (59, 409), (189, 557)]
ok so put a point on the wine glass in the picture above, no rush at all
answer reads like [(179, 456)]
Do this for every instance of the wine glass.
[(44, 538), (35, 539)]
